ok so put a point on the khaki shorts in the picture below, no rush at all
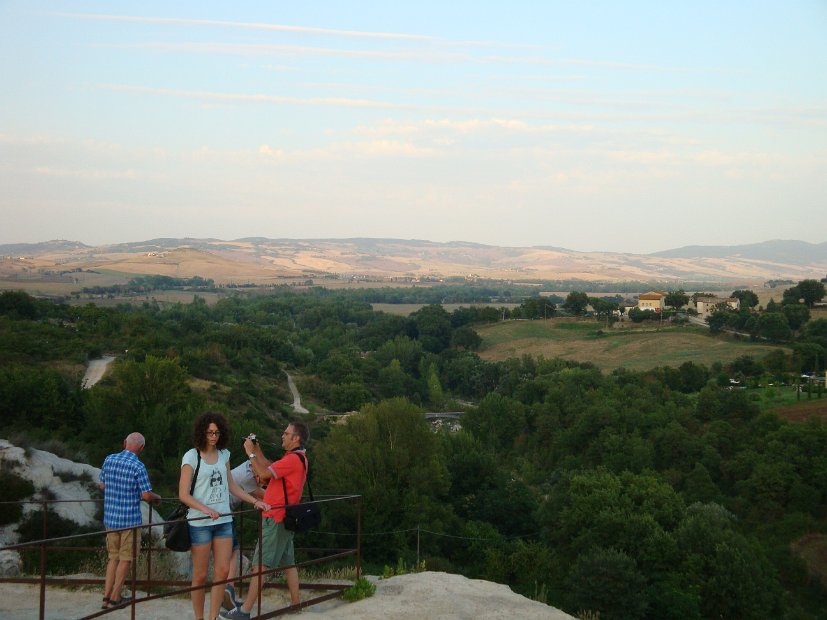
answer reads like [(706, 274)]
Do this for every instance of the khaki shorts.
[(277, 543), (119, 544)]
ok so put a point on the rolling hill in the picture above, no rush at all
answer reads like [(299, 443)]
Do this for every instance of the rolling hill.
[(262, 260)]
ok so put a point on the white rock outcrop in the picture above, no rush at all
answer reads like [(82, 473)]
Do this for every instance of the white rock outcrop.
[(47, 472)]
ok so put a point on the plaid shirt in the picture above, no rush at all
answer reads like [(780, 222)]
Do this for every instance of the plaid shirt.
[(124, 478)]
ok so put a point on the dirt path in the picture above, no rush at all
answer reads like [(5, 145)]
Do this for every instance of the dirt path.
[(418, 596), (97, 368), (297, 399), (22, 601)]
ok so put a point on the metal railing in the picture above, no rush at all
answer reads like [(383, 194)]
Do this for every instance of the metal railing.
[(174, 587)]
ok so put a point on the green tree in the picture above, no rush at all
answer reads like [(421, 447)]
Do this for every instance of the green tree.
[(433, 325), (18, 305), (776, 363), (676, 299), (608, 581), (497, 421), (576, 303), (717, 321), (349, 396), (807, 291), (732, 575), (435, 396), (387, 454), (466, 338), (392, 380), (774, 327), (797, 315), (747, 298), (815, 331), (602, 307), (638, 316), (152, 397)]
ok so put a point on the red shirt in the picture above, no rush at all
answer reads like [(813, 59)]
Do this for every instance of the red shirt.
[(291, 469)]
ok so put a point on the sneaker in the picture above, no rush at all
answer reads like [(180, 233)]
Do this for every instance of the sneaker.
[(121, 602), (230, 602), (234, 614)]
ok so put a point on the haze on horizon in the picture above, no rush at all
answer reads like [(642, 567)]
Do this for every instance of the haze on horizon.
[(602, 126)]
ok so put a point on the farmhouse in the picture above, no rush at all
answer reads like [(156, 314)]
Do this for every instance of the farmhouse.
[(707, 305), (653, 300)]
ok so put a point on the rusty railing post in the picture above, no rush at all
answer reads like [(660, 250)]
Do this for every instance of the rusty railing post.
[(136, 541), (43, 562), (260, 562), (359, 537), (240, 571), (149, 554)]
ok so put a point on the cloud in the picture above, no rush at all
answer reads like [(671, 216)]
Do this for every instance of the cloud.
[(364, 149), (88, 174), (180, 21), (265, 149), (259, 98), (37, 140), (269, 49), (467, 127), (440, 57)]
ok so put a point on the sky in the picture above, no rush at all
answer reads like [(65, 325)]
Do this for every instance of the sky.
[(591, 125)]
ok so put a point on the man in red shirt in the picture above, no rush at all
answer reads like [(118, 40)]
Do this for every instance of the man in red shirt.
[(276, 542)]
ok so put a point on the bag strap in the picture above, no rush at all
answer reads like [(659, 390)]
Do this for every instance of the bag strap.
[(306, 479), (195, 475)]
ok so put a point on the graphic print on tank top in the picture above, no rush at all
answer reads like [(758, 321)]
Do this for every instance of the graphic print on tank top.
[(216, 487)]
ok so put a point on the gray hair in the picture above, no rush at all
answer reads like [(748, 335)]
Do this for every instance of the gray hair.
[(136, 440)]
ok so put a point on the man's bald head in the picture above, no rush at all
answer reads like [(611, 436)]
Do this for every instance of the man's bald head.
[(134, 442)]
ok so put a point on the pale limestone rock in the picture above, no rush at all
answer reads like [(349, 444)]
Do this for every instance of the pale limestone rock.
[(10, 563)]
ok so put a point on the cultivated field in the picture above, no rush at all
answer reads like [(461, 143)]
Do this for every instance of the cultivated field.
[(606, 348)]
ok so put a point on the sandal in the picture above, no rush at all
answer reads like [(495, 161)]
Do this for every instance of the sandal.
[(105, 602)]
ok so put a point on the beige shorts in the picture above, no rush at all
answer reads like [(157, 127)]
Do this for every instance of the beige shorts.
[(119, 544)]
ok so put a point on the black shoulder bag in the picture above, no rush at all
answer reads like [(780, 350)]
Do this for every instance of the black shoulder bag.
[(301, 517), (176, 529)]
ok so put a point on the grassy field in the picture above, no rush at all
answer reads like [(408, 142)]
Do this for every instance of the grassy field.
[(589, 341), (801, 410)]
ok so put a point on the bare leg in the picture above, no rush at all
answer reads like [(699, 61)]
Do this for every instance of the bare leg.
[(110, 577), (292, 576), (233, 572), (252, 591), (200, 563), (121, 573), (222, 549)]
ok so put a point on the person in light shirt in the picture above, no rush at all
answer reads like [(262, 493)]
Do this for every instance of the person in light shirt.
[(210, 521), (244, 477)]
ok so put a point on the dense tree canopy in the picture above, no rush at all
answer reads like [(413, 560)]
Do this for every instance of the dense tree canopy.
[(653, 494)]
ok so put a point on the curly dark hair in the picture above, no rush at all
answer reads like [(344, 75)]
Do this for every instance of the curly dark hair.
[(202, 423)]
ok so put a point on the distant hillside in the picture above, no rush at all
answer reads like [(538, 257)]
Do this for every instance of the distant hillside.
[(777, 251), (262, 260), (43, 247)]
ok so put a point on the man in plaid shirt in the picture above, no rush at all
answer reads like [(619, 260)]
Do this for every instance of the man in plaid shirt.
[(124, 482)]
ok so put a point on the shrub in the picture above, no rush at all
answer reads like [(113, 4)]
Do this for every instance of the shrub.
[(361, 588), (15, 488), (58, 562)]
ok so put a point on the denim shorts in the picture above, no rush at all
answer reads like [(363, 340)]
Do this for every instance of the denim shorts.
[(205, 534)]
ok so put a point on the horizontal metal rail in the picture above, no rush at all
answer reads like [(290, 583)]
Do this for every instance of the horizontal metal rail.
[(47, 545)]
